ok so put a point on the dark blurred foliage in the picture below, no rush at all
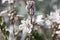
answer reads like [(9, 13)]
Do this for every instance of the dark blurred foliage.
[(2, 27), (38, 5), (0, 18), (37, 36), (48, 9), (43, 6), (0, 3)]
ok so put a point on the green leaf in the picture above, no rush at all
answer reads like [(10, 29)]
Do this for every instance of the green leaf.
[(37, 36), (3, 26), (7, 33), (0, 18), (3, 31)]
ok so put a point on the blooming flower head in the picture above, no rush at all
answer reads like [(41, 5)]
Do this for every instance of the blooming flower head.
[(54, 16)]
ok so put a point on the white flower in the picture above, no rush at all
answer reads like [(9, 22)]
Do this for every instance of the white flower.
[(11, 35), (39, 19), (2, 13), (54, 16), (21, 26), (10, 29), (24, 27), (48, 22)]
